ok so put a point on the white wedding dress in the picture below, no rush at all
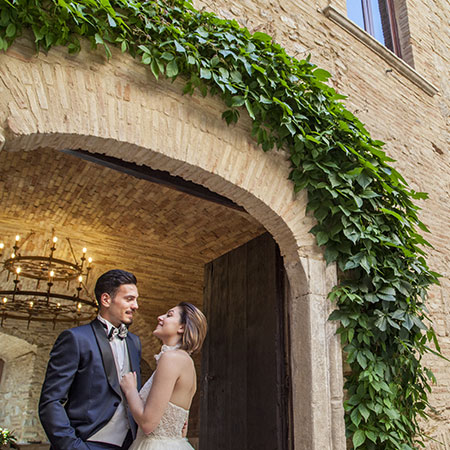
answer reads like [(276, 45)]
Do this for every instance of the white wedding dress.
[(167, 435)]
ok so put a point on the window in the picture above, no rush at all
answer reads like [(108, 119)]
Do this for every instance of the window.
[(377, 17)]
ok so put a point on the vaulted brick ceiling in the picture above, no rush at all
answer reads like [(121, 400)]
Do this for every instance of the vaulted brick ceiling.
[(164, 236)]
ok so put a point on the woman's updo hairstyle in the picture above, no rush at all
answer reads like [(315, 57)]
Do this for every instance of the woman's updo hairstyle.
[(195, 327)]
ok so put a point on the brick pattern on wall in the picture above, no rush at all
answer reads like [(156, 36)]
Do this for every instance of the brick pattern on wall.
[(413, 125)]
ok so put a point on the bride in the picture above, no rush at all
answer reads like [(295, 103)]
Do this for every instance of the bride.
[(161, 408)]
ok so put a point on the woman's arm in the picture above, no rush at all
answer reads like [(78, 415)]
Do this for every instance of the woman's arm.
[(149, 415)]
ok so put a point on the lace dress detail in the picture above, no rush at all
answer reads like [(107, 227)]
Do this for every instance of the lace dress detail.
[(167, 435)]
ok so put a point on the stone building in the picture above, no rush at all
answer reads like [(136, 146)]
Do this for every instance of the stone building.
[(55, 101)]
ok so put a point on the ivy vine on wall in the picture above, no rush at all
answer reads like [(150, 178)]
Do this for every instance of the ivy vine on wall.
[(366, 217)]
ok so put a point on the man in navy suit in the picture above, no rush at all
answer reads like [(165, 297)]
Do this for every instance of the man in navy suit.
[(81, 405)]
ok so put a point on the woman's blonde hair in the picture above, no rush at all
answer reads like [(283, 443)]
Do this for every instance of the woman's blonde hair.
[(195, 327)]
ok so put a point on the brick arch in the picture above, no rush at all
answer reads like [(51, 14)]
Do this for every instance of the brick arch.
[(56, 101)]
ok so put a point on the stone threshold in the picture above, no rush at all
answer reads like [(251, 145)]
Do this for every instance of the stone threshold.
[(391, 58)]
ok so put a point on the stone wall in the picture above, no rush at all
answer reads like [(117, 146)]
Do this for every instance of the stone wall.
[(186, 138), (25, 353), (399, 105), (397, 110)]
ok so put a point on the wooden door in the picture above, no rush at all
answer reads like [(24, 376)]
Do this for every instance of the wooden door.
[(245, 384)]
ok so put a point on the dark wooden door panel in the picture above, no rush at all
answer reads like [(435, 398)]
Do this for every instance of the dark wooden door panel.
[(236, 337), (244, 357), (262, 395)]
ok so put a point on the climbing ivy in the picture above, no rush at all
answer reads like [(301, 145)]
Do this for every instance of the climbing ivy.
[(365, 212)]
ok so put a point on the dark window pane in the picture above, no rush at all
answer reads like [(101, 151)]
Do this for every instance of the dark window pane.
[(382, 28), (385, 35)]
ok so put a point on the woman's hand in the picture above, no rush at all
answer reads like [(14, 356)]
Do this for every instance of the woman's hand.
[(184, 430), (128, 382)]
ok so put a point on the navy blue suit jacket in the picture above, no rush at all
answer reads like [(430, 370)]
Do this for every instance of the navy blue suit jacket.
[(81, 390)]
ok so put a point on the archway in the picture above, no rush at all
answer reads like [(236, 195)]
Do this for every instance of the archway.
[(52, 101)]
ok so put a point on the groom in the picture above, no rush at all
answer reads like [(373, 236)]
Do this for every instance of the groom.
[(81, 405)]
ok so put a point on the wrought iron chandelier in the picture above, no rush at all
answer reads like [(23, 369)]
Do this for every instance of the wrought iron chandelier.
[(53, 299)]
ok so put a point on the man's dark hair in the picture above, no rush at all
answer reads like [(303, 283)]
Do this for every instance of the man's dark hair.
[(111, 281)]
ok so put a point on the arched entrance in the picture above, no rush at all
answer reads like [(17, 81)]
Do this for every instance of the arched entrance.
[(54, 101)]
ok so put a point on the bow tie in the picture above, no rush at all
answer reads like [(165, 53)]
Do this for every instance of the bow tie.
[(120, 332)]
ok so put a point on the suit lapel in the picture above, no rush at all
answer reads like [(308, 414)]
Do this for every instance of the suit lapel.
[(134, 358), (107, 356)]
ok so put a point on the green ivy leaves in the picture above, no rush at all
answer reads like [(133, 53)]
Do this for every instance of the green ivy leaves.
[(366, 218)]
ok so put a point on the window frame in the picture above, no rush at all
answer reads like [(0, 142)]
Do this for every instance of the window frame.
[(404, 66), (367, 9)]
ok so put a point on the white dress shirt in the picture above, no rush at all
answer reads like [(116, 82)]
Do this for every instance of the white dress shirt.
[(118, 347), (115, 431)]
